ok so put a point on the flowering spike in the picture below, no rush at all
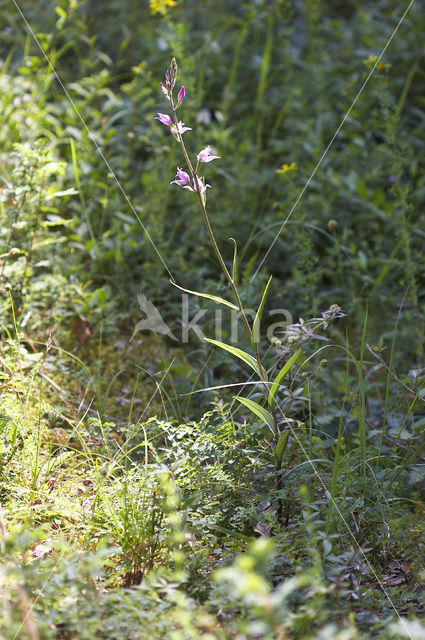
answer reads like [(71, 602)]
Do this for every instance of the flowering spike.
[(181, 94), (164, 119), (205, 155)]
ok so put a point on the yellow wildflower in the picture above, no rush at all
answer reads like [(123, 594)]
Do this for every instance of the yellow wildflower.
[(161, 6), (286, 167), (370, 62), (139, 69)]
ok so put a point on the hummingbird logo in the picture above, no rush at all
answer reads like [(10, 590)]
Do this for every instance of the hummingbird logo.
[(153, 320)]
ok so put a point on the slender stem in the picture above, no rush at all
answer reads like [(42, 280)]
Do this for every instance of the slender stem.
[(217, 251)]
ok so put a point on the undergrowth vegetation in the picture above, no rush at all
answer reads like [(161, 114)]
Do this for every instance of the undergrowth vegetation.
[(212, 423)]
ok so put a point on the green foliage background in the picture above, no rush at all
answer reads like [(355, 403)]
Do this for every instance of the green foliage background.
[(144, 486)]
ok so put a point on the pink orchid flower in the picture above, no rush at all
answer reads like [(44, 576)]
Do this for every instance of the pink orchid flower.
[(181, 128), (205, 155), (182, 178)]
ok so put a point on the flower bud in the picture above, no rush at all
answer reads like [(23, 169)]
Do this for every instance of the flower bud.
[(167, 79), (173, 71), (164, 119), (181, 94)]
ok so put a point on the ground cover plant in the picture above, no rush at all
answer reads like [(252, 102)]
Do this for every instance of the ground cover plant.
[(212, 397)]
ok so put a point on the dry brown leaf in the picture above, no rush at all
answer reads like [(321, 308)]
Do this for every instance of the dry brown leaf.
[(81, 329)]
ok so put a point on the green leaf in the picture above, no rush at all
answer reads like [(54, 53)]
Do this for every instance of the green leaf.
[(258, 410), (255, 334), (282, 373), (54, 220), (207, 295), (61, 12), (242, 355), (228, 532), (61, 194), (281, 448)]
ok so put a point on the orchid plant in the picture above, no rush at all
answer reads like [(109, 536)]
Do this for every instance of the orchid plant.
[(191, 180)]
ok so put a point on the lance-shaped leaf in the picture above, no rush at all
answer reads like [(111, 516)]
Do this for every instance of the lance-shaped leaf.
[(242, 355), (281, 448), (258, 410), (282, 373), (235, 262), (255, 334), (207, 295), (61, 194)]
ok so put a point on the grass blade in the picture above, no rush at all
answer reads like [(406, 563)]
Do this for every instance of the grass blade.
[(255, 334)]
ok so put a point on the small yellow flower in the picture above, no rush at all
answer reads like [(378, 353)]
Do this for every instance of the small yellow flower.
[(161, 6), (370, 62), (139, 69), (286, 167)]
